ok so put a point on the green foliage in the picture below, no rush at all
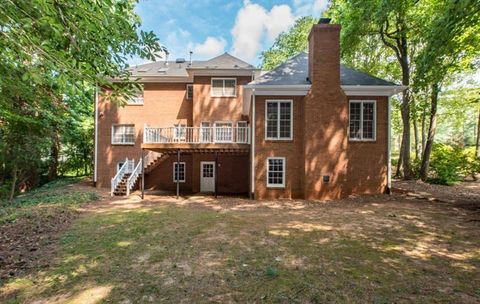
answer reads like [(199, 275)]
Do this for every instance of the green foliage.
[(54, 194), (449, 164), (288, 44)]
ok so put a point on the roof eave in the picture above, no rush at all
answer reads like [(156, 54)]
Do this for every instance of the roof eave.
[(373, 90)]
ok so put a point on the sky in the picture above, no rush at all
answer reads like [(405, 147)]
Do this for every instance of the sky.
[(209, 28)]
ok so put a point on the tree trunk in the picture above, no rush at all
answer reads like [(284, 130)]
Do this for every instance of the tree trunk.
[(415, 135), (14, 182), (477, 144), (424, 137), (431, 133), (54, 154)]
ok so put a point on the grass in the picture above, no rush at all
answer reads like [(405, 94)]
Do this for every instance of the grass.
[(377, 252), (53, 195)]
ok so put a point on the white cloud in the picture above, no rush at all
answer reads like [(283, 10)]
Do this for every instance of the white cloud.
[(253, 23), (209, 48), (313, 8)]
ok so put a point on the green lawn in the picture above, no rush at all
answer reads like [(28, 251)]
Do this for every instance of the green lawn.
[(233, 250)]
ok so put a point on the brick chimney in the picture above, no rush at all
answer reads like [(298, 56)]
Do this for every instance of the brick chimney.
[(325, 116), (324, 54)]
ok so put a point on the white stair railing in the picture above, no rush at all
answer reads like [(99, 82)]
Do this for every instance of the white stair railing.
[(132, 179), (126, 168)]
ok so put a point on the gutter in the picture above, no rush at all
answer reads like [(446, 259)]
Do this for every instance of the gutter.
[(252, 143)]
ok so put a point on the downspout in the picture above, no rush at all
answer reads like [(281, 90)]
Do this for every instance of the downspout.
[(252, 141), (389, 148), (95, 157)]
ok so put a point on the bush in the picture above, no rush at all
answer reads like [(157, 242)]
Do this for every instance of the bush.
[(450, 164)]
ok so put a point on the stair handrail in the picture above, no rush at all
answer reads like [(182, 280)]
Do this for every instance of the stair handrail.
[(132, 179), (118, 177)]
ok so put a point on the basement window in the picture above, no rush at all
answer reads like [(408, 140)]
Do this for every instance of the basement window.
[(276, 172), (362, 120), (179, 172)]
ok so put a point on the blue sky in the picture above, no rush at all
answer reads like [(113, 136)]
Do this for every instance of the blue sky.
[(211, 27)]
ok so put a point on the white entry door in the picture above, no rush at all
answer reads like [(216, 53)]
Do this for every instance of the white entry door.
[(207, 176)]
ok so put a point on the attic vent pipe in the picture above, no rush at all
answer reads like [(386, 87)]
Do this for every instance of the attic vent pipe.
[(324, 20), (191, 57)]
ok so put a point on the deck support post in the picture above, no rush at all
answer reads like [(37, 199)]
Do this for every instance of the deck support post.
[(216, 173), (178, 173), (143, 173)]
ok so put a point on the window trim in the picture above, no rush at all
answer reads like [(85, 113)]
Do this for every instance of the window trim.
[(215, 131), (122, 143), (283, 170), (223, 79), (361, 102), (189, 85), (246, 132), (278, 122), (184, 172), (129, 103), (179, 126)]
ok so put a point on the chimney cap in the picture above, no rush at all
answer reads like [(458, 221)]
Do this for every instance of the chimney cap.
[(324, 20)]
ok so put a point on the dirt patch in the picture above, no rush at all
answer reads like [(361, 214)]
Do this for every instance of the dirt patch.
[(29, 242)]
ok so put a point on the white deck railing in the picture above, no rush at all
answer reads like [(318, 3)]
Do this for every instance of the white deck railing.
[(196, 135), (127, 167), (132, 179)]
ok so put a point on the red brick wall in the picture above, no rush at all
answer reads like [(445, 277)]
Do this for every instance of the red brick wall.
[(290, 149)]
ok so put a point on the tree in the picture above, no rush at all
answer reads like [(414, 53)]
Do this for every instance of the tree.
[(51, 53), (288, 44), (451, 44)]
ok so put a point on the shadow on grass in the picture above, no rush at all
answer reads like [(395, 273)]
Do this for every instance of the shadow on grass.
[(216, 251)]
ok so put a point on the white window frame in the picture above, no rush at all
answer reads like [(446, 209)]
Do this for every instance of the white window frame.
[(361, 102), (181, 128), (184, 171), (205, 132), (215, 139), (122, 143), (119, 165), (189, 85), (283, 170), (137, 100), (278, 101), (245, 134), (223, 78)]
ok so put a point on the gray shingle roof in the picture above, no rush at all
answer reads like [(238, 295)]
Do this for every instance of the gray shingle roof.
[(294, 71), (173, 69)]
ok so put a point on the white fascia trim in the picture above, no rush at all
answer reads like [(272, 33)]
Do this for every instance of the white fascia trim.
[(220, 72), (279, 90), (357, 90), (160, 79)]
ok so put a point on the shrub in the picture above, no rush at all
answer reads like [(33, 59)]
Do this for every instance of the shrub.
[(450, 164)]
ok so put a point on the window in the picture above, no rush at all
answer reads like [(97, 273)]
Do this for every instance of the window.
[(179, 172), (242, 132), (119, 166), (224, 87), (189, 91), (123, 134), (362, 120), (223, 132), (278, 119), (276, 172), (205, 132), (179, 132), (136, 99)]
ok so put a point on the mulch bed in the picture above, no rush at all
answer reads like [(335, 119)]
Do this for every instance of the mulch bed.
[(29, 242)]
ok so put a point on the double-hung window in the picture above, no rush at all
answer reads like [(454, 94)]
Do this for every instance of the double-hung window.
[(123, 134), (276, 172), (136, 99), (362, 116), (179, 172), (179, 132), (278, 119), (189, 91), (224, 87)]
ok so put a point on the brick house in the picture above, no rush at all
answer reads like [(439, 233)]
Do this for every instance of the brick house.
[(311, 128)]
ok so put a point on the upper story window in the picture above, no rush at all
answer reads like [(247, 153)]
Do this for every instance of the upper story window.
[(123, 134), (224, 87), (180, 131), (362, 116), (189, 91), (278, 119), (136, 99)]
